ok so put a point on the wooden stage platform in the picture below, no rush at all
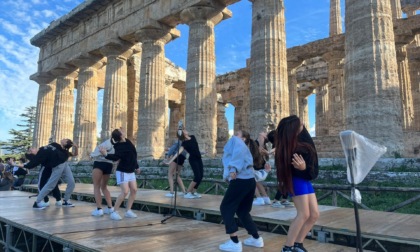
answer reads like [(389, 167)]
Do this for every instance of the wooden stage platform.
[(74, 229), (376, 226)]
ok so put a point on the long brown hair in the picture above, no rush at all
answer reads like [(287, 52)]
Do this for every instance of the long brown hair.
[(254, 149), (286, 144)]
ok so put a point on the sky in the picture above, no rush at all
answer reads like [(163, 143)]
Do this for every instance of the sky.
[(20, 20)]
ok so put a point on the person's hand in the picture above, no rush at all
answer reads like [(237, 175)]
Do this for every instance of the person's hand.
[(267, 167), (263, 151), (232, 175), (75, 145), (138, 171), (298, 162), (102, 150)]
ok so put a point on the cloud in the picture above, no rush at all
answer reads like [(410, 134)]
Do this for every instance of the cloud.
[(312, 131)]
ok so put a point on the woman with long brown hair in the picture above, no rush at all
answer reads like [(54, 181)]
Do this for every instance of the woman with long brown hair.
[(297, 164)]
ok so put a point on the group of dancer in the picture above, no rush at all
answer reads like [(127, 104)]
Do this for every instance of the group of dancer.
[(244, 161)]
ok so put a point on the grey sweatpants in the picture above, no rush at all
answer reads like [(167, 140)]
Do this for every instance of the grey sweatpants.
[(62, 170)]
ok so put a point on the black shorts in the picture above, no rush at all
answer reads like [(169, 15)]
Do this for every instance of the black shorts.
[(105, 167), (180, 159)]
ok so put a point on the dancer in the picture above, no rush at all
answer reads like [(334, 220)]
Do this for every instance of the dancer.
[(175, 167), (126, 153), (238, 170), (261, 157), (102, 169), (189, 143), (297, 164), (54, 155)]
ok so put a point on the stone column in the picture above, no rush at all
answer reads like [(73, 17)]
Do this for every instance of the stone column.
[(114, 109), (303, 110), (152, 102), (174, 117), (86, 105), (133, 89), (373, 100), (44, 109), (396, 9), (321, 107), (200, 86), (335, 106), (414, 63), (63, 118), (405, 87), (269, 90), (292, 65), (222, 127), (335, 18)]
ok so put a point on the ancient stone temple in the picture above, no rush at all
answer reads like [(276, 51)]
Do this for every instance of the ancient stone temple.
[(367, 80)]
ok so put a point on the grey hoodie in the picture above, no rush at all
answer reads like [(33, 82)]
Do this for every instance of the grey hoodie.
[(237, 158), (96, 154)]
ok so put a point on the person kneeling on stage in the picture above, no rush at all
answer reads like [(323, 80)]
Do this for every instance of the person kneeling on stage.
[(54, 155), (126, 153), (238, 170)]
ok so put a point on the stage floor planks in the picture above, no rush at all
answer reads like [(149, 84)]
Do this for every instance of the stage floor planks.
[(374, 224), (77, 228)]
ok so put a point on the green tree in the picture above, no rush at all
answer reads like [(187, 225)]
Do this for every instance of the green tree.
[(21, 139)]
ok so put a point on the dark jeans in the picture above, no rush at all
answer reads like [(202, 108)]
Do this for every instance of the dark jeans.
[(45, 175), (197, 168), (280, 195), (238, 199)]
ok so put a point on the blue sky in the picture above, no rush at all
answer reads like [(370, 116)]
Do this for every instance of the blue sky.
[(306, 20)]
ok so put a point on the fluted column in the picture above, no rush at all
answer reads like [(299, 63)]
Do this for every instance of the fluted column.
[(396, 9), (373, 100), (151, 117), (114, 109), (414, 63), (174, 117), (321, 113), (335, 18), (201, 99), (222, 127), (293, 94), (303, 110), (133, 90), (269, 89), (335, 106), (405, 87), (63, 118), (86, 105), (44, 109)]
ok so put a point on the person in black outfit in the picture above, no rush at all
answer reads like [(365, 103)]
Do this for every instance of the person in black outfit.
[(189, 143), (126, 153)]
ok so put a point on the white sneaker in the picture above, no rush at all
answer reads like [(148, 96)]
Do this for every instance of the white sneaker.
[(287, 203), (97, 212), (44, 204), (130, 214), (108, 210), (59, 203), (258, 202), (189, 196), (197, 195), (267, 200), (115, 216), (251, 241), (169, 195), (277, 204), (231, 246)]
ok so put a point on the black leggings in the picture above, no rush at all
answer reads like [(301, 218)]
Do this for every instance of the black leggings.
[(238, 199), (44, 177), (280, 195), (197, 168)]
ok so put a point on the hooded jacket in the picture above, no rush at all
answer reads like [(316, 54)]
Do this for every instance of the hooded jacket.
[(96, 154), (127, 154), (237, 158)]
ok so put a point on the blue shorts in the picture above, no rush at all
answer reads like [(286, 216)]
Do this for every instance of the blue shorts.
[(302, 186)]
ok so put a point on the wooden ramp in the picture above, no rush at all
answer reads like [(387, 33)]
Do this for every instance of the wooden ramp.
[(376, 226), (74, 229)]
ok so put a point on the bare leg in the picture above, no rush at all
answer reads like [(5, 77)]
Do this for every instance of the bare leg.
[(96, 179), (133, 192), (179, 179), (257, 192), (261, 190), (104, 189), (302, 209), (313, 217), (121, 197), (191, 187), (171, 171)]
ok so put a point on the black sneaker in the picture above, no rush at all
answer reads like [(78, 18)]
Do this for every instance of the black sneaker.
[(288, 249), (67, 204), (35, 206), (299, 247)]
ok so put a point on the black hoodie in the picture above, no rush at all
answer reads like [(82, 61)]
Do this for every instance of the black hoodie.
[(127, 154), (49, 156), (311, 159)]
